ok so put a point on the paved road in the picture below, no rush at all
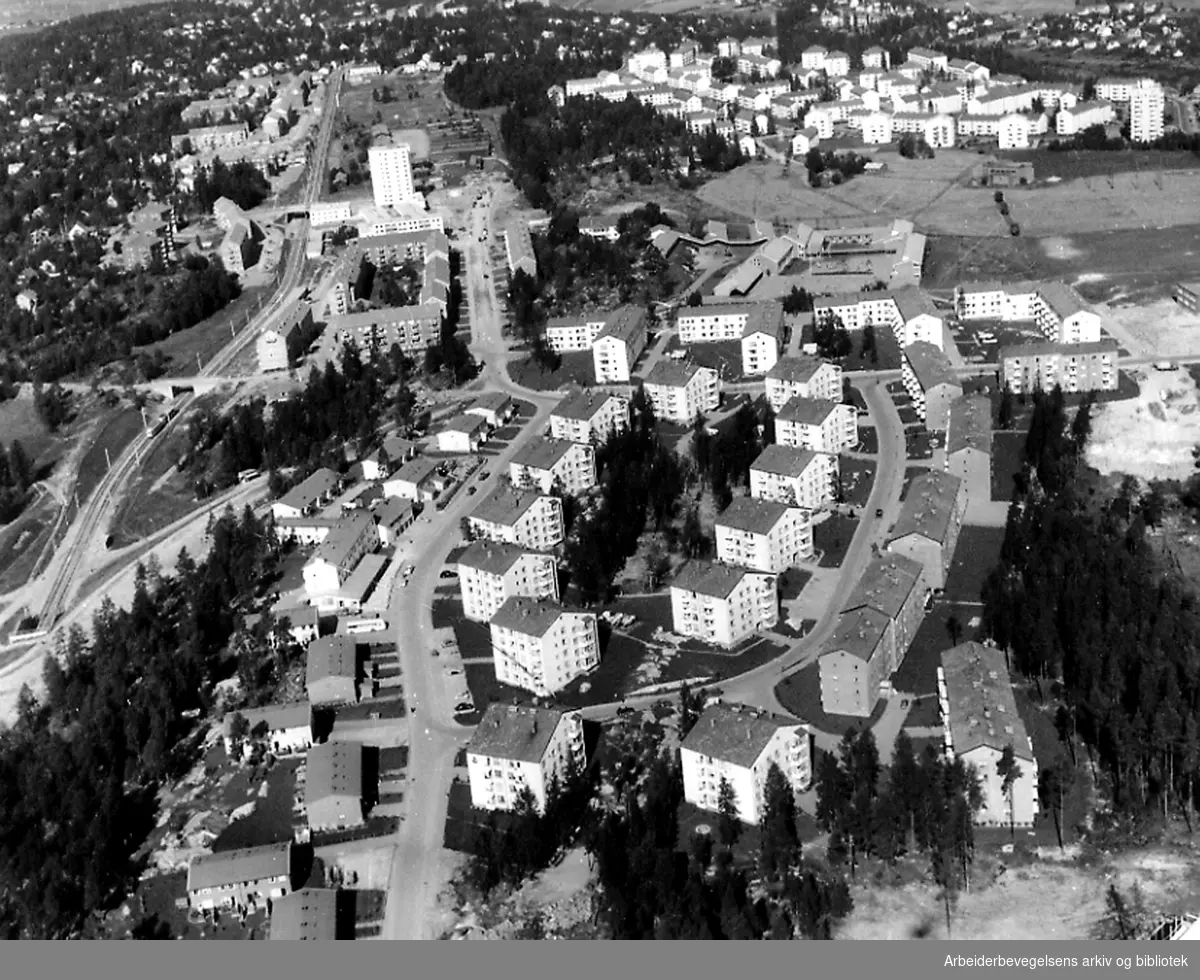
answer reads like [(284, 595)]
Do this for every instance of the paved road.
[(419, 871)]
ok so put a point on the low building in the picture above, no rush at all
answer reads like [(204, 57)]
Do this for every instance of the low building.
[(306, 496), (245, 878), (333, 786), (679, 391), (493, 407), (523, 747), (931, 382), (721, 604), (393, 517), (908, 313), (518, 246), (331, 671), (871, 636), (1026, 368), (969, 444), (528, 518), (541, 646), (590, 416), (929, 524), (307, 914), (980, 720), (282, 729), (462, 434), (271, 348), (492, 572), (557, 466), (335, 558), (803, 377), (793, 476), (763, 535), (818, 425), (738, 744), (413, 481)]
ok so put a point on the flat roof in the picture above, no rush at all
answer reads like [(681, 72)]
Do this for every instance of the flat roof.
[(981, 708), (334, 769), (331, 656), (752, 515), (366, 573), (885, 585), (931, 366), (970, 425), (531, 617), (238, 866), (709, 578), (929, 506), (735, 733), (516, 731), (310, 913), (505, 505), (583, 405), (787, 461)]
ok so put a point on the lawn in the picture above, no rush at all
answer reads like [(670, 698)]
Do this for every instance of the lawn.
[(800, 694), (975, 555), (792, 583), (1008, 458), (910, 474), (857, 478), (20, 422), (22, 542), (908, 414), (950, 260), (886, 357), (868, 439), (272, 820), (1099, 163), (724, 357), (206, 338), (920, 443), (832, 538), (118, 431), (918, 672), (144, 515), (575, 369)]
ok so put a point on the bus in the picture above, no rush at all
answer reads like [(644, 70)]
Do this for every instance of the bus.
[(375, 625)]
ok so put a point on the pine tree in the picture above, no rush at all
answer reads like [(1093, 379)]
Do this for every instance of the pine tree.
[(729, 824)]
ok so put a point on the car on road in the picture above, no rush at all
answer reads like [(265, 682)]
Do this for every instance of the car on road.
[(879, 512), (470, 491), (463, 707), (484, 475), (448, 573), (454, 672)]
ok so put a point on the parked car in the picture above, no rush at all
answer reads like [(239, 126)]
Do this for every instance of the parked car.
[(879, 512), (463, 707), (448, 573)]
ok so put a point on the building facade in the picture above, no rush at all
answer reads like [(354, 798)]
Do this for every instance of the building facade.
[(721, 604), (763, 535), (541, 646), (527, 518), (490, 573)]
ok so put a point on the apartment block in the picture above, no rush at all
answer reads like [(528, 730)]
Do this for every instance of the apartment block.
[(1058, 309), (763, 535), (803, 377), (492, 572), (1026, 368), (333, 786), (681, 390), (411, 328), (518, 246), (818, 425), (722, 604), (931, 382), (331, 674), (527, 518), (390, 163), (1084, 115), (969, 445), (796, 477), (908, 313), (929, 524), (737, 744), (758, 326), (1146, 105), (523, 747), (980, 720), (590, 416), (555, 465), (871, 636), (541, 646), (619, 344)]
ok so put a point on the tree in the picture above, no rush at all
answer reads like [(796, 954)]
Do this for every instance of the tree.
[(1009, 771), (729, 823), (1004, 418), (779, 839), (955, 628)]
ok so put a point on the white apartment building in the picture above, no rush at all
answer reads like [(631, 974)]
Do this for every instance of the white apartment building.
[(908, 313), (928, 59), (1068, 122), (679, 391), (619, 344), (764, 535), (1146, 105), (1057, 308), (875, 57), (1013, 133), (980, 720), (323, 213), (738, 744), (567, 333), (817, 425), (821, 118), (519, 747), (813, 58), (549, 464), (722, 604), (1116, 89), (877, 128), (334, 560), (758, 326), (797, 477), (492, 572), (803, 377), (590, 416), (541, 646), (390, 163), (526, 517)]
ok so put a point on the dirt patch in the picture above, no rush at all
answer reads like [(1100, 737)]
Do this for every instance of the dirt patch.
[(1163, 327), (1151, 436), (1057, 247)]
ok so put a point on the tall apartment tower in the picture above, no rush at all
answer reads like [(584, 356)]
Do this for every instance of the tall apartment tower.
[(391, 173), (1146, 105)]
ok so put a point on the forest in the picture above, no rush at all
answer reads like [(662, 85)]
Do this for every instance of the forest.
[(1107, 638), (80, 768), (16, 477), (241, 182)]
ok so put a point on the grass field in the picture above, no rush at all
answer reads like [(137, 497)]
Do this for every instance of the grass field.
[(800, 694), (832, 538), (1101, 165), (22, 541), (121, 428), (20, 422), (206, 338), (576, 369)]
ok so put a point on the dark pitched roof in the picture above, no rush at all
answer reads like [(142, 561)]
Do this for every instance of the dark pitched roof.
[(334, 769), (806, 411), (885, 585), (241, 865), (970, 425), (493, 557), (734, 733), (982, 708), (531, 617), (709, 578), (752, 514), (928, 507), (516, 731), (331, 656), (310, 913), (858, 632)]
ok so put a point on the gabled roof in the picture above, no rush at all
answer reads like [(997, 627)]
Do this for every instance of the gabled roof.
[(505, 505), (492, 557), (795, 369), (982, 708), (415, 471), (306, 493), (531, 617), (623, 323), (806, 411), (310, 913), (343, 538), (735, 733), (970, 425), (788, 461), (276, 717), (516, 731), (673, 374), (543, 452), (930, 365), (857, 632), (929, 507), (470, 424), (239, 866), (752, 515), (334, 769), (583, 405), (331, 656), (885, 585), (710, 578)]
